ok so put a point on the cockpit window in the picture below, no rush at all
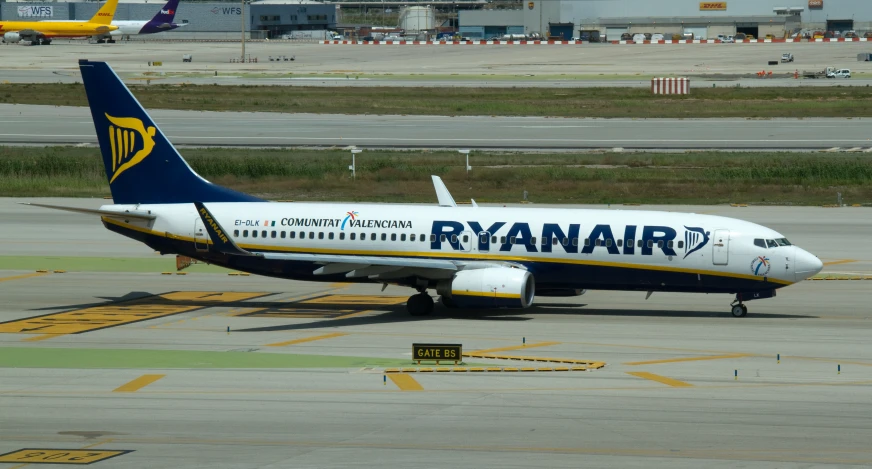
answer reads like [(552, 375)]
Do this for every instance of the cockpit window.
[(771, 243), (783, 242), (760, 243)]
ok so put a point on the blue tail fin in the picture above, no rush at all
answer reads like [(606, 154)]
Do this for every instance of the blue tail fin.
[(142, 166)]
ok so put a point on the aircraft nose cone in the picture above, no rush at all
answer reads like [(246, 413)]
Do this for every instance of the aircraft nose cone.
[(806, 264)]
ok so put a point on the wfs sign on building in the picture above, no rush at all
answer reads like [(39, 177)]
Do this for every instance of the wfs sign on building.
[(32, 11)]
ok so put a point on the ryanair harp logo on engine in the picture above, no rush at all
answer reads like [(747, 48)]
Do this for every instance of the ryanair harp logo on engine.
[(130, 142)]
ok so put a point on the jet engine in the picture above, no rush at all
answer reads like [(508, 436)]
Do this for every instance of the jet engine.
[(11, 37), (492, 287)]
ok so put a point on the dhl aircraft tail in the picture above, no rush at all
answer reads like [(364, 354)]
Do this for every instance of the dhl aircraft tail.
[(141, 164), (106, 13)]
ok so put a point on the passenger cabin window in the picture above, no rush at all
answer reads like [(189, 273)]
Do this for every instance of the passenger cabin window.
[(342, 236), (263, 234), (465, 238), (302, 235), (453, 238), (502, 240), (372, 237), (533, 241), (284, 233), (394, 236), (493, 240), (433, 238), (680, 244), (412, 237), (630, 243), (669, 244), (352, 236), (273, 234), (512, 240), (443, 238), (403, 237), (620, 242), (311, 235), (254, 233), (649, 243), (235, 233), (760, 243), (330, 235), (384, 236), (575, 241), (320, 235), (660, 244), (424, 238), (244, 233), (554, 241), (609, 243), (587, 241)]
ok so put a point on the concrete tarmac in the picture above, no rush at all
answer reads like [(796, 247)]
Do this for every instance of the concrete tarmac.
[(685, 384), (554, 65), (45, 125)]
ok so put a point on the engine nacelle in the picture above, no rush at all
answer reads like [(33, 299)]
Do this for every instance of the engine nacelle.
[(11, 37), (493, 287)]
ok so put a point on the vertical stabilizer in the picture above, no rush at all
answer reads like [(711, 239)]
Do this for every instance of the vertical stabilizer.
[(141, 164), (106, 13)]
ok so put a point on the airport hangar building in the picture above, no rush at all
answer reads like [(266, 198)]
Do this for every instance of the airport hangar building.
[(706, 20), (214, 20)]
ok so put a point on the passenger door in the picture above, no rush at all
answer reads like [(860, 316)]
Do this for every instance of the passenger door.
[(721, 247)]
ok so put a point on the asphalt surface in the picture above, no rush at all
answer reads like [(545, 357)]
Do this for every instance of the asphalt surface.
[(685, 385), (27, 124)]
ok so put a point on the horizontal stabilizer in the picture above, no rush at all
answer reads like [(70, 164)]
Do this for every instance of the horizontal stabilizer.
[(104, 213), (221, 241)]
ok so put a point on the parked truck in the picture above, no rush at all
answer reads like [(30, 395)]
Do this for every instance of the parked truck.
[(818, 74)]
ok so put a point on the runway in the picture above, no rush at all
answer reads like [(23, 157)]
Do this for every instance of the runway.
[(41, 125), (299, 380)]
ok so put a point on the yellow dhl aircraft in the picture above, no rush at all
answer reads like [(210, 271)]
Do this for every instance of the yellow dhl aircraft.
[(42, 32)]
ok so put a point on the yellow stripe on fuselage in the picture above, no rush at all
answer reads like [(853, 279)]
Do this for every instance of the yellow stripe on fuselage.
[(488, 294), (457, 255), (57, 28)]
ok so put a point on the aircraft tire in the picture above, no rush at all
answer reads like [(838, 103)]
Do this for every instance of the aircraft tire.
[(111, 41), (740, 311), (420, 305)]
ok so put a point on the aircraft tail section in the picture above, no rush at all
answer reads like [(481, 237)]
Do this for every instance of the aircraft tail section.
[(163, 20), (106, 13), (142, 166)]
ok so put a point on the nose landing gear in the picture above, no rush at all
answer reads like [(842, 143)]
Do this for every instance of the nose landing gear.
[(739, 310)]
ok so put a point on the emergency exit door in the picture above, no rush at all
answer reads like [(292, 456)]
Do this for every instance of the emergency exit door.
[(721, 247)]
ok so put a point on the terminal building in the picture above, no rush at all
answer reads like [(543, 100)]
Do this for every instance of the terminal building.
[(705, 20)]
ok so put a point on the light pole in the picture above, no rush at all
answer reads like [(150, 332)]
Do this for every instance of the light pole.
[(353, 166), (468, 167), (242, 18)]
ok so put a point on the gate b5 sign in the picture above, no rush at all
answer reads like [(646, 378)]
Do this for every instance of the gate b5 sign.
[(708, 6), (437, 352), (31, 11)]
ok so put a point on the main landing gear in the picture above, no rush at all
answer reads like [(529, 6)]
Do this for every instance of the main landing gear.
[(420, 304)]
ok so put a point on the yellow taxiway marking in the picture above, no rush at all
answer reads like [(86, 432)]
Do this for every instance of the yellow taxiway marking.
[(58, 456), (843, 261), (357, 300), (355, 314), (660, 379), (38, 338), (405, 382), (690, 359), (516, 347), (19, 277), (120, 313), (307, 339), (138, 383)]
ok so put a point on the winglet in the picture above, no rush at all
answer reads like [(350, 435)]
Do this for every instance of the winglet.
[(445, 199), (221, 239)]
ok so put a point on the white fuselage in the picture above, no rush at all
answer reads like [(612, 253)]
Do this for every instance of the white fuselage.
[(577, 243)]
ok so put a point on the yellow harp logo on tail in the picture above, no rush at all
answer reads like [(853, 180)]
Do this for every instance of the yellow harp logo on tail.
[(127, 152)]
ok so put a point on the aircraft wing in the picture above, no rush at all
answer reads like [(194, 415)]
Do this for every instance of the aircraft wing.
[(373, 267)]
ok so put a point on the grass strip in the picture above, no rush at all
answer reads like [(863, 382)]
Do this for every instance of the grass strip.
[(497, 177), (102, 264), (32, 357), (791, 102)]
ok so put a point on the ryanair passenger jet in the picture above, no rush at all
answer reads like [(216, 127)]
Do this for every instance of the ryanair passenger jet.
[(473, 257)]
